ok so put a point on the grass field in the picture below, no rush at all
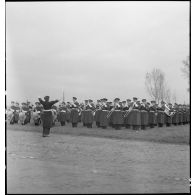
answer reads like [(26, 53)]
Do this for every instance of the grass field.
[(171, 135)]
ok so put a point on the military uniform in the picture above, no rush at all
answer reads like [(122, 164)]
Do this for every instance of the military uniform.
[(88, 114), (104, 114), (62, 114), (74, 114), (152, 115), (135, 115), (161, 114), (144, 114), (47, 117), (117, 115), (97, 114)]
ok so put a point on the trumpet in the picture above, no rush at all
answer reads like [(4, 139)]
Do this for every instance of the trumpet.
[(130, 109), (109, 113)]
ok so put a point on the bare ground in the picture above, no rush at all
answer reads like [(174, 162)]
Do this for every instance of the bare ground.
[(82, 164)]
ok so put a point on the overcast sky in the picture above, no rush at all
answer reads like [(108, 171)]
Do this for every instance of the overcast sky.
[(94, 49)]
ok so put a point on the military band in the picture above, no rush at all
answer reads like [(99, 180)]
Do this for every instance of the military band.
[(117, 114)]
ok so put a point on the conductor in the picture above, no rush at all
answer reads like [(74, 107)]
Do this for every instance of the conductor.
[(47, 117)]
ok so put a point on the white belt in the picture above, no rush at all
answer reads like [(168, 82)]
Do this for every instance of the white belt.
[(161, 111), (88, 110), (62, 110), (104, 110), (24, 111), (144, 111), (135, 109), (48, 110), (151, 111), (117, 110)]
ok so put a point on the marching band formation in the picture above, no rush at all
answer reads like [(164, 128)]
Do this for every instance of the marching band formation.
[(133, 114)]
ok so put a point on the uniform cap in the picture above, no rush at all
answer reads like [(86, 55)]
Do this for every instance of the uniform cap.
[(143, 100), (23, 103), (153, 101), (90, 100), (117, 99), (74, 98), (162, 102), (128, 100), (105, 99), (134, 98), (123, 101)]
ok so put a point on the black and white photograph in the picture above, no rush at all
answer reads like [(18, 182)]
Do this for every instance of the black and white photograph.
[(98, 97)]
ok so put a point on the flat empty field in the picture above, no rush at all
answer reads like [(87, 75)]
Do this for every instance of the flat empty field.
[(98, 161)]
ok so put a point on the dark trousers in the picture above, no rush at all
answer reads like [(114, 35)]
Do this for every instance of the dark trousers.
[(143, 127), (168, 124), (104, 127), (98, 124), (117, 127), (136, 127), (160, 124), (89, 125), (151, 125), (46, 131), (127, 126), (63, 123), (74, 124)]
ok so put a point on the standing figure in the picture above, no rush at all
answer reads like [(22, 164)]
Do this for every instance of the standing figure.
[(168, 117), (68, 111), (62, 114), (135, 115), (117, 114), (16, 112), (175, 116), (128, 115), (47, 117), (97, 113), (161, 114), (88, 114), (74, 114), (10, 113), (144, 114), (104, 113), (36, 115), (152, 114)]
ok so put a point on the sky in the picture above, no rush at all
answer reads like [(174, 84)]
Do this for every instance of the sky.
[(94, 49)]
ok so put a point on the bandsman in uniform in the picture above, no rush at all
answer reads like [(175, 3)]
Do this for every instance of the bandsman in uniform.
[(47, 117), (175, 116), (124, 110), (161, 114), (117, 114), (88, 114), (152, 114), (62, 114), (74, 114), (168, 117), (104, 114), (144, 114), (11, 114), (16, 112), (68, 111), (97, 113), (135, 115), (37, 113), (128, 114)]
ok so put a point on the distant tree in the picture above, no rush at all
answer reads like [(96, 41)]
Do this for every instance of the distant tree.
[(174, 97), (156, 86), (186, 69)]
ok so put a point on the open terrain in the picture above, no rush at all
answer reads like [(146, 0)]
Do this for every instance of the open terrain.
[(97, 161)]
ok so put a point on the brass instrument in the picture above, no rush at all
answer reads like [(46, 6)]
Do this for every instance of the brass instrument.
[(130, 109)]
